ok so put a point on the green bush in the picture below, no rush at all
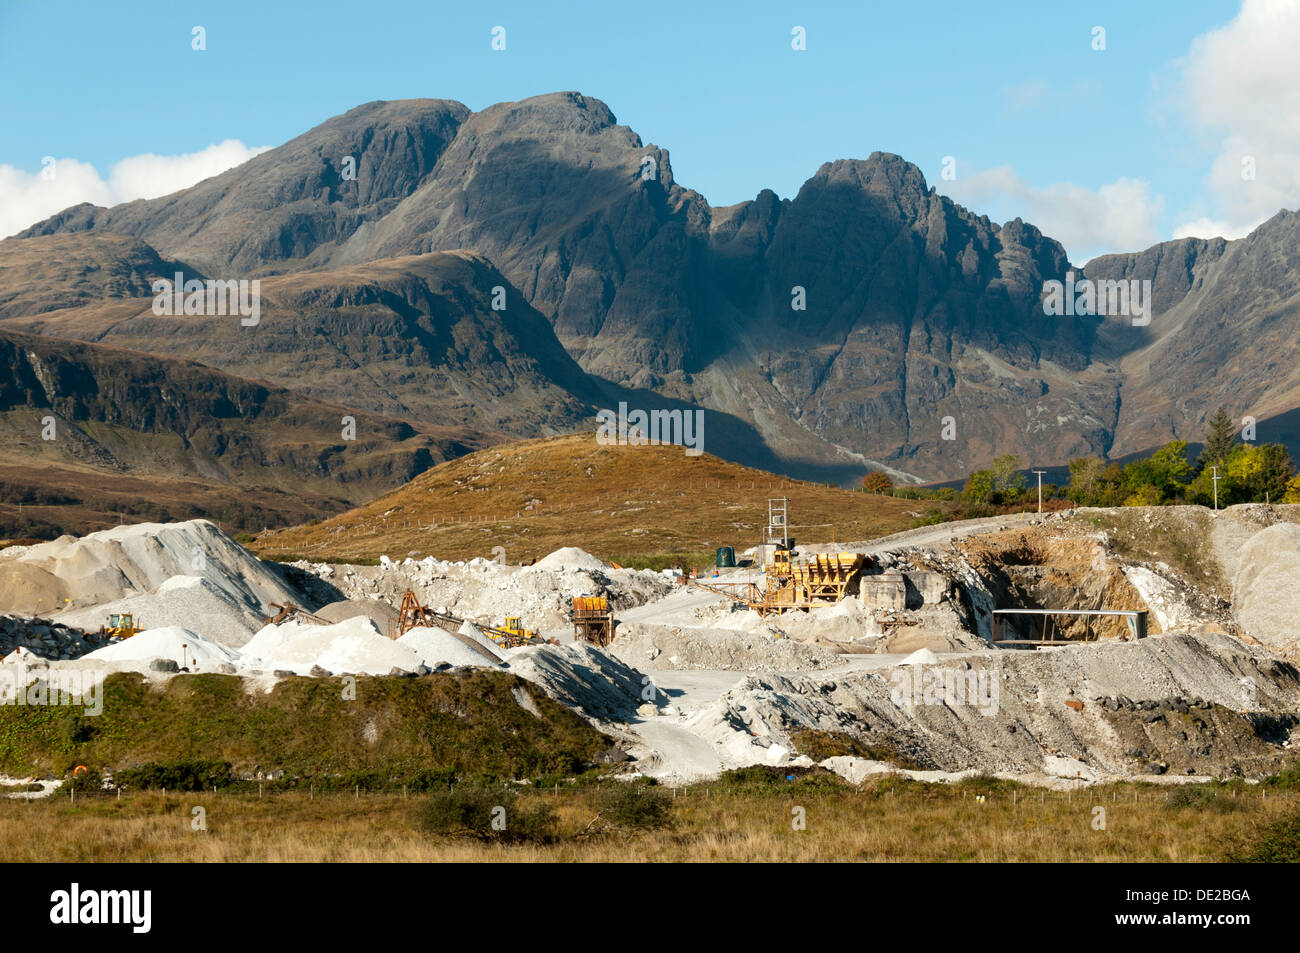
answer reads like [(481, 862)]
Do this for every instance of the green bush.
[(86, 784), (820, 745), (1210, 796), (1287, 779), (913, 493), (431, 779), (765, 779), (486, 812), (634, 805), (77, 729), (197, 775), (932, 517), (987, 784), (1277, 844)]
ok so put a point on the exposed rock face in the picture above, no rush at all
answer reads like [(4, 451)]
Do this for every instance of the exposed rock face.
[(413, 338), (279, 207), (127, 411), (913, 309), (1223, 333)]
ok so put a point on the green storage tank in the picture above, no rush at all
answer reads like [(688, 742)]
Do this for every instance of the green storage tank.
[(726, 557)]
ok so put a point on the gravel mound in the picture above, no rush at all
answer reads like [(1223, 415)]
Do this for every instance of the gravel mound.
[(593, 684), (377, 611), (674, 647), (1203, 704), (191, 602), (844, 622), (486, 592), (569, 557), (72, 573), (476, 635), (184, 646), (436, 647), (354, 647), (1264, 594)]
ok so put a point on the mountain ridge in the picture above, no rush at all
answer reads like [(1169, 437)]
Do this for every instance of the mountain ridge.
[(915, 311)]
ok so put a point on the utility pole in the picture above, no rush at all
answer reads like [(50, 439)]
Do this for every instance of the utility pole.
[(1040, 490), (1216, 479)]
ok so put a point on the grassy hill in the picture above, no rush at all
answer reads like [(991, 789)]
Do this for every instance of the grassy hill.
[(460, 724), (636, 505)]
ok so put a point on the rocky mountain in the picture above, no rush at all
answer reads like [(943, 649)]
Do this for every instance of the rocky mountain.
[(866, 321), (274, 211), (414, 338), (71, 271), (71, 412), (440, 340), (1226, 325)]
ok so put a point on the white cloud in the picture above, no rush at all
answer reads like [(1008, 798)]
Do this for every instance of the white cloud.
[(1204, 227), (1240, 84), (1121, 215), (1026, 95), (1238, 87), (26, 198)]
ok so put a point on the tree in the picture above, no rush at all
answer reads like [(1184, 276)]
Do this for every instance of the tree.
[(1249, 474), (1110, 485), (1220, 438), (1292, 490), (877, 482), (979, 487), (1166, 471), (1008, 482), (1084, 472), (1275, 473), (1146, 495), (1257, 473), (1201, 490)]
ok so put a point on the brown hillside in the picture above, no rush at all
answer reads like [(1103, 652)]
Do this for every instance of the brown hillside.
[(635, 505), (138, 436)]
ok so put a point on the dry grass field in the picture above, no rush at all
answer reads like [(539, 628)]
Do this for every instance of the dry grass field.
[(884, 820)]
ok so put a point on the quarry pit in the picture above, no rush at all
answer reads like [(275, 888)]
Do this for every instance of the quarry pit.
[(910, 673)]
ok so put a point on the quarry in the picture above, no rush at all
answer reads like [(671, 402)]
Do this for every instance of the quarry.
[(1062, 650)]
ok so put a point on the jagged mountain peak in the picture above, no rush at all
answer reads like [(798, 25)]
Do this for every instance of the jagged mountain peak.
[(844, 322)]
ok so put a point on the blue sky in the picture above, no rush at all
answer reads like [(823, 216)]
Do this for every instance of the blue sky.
[(1107, 150)]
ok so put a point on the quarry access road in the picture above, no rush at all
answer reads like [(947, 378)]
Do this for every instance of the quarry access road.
[(929, 536)]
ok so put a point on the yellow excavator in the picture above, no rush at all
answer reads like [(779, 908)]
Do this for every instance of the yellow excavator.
[(121, 625)]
